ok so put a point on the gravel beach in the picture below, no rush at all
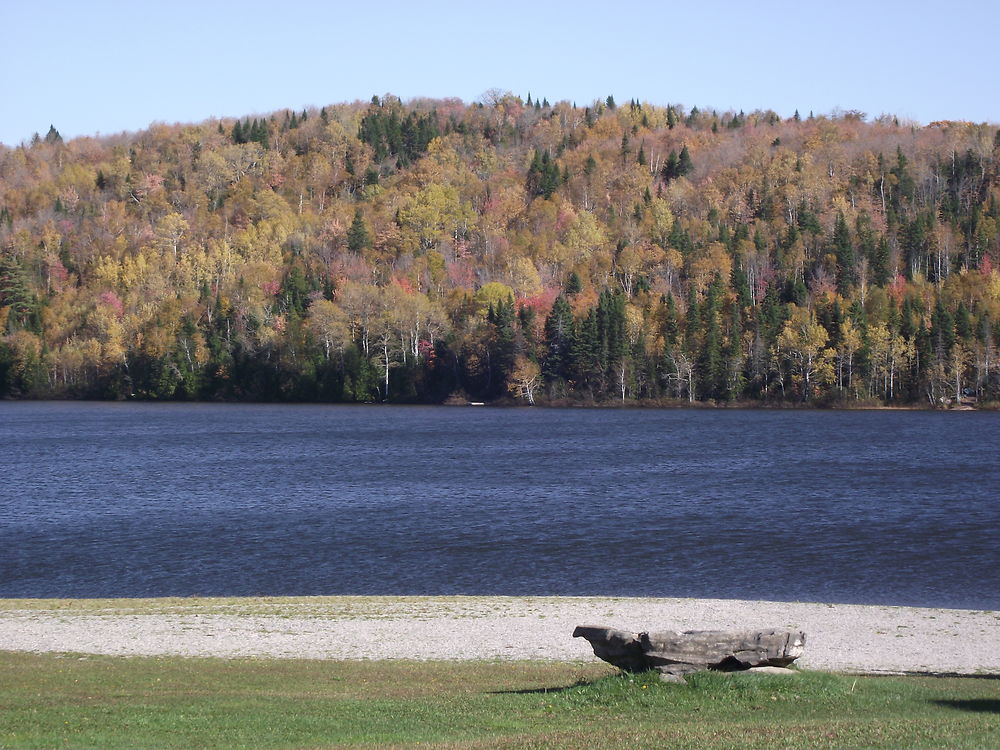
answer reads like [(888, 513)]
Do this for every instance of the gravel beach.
[(839, 637)]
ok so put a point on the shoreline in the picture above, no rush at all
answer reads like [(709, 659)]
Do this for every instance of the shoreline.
[(664, 404), (839, 637)]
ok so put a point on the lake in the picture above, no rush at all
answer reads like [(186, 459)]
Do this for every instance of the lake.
[(138, 499)]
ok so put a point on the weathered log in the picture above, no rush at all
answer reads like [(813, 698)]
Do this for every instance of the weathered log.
[(615, 646), (694, 650)]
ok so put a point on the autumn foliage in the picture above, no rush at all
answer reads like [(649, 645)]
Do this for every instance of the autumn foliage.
[(386, 251)]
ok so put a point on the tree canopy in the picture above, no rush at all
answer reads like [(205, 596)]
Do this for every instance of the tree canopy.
[(505, 249)]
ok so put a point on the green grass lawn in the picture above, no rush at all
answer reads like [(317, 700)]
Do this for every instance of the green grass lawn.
[(53, 701)]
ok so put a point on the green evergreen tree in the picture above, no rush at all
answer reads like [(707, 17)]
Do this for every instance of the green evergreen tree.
[(358, 238), (612, 341), (503, 345), (559, 335), (16, 294), (671, 323), (892, 319), (684, 164), (585, 365), (711, 363), (963, 322), (544, 176), (740, 285), (692, 321), (843, 250), (294, 293), (907, 326), (669, 171), (735, 376), (573, 284)]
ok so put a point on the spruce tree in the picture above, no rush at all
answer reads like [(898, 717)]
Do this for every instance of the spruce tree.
[(907, 329), (16, 295), (734, 372), (843, 250), (558, 340), (712, 363), (692, 322), (358, 237), (671, 322), (613, 343), (942, 331), (573, 284), (502, 361), (585, 353), (684, 165), (963, 322), (669, 170)]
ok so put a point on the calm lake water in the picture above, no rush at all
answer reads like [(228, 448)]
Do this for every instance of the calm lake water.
[(100, 499)]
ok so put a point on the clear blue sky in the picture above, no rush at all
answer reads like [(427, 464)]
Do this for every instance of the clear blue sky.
[(105, 66)]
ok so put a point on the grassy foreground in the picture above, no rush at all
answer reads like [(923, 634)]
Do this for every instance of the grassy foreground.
[(49, 701)]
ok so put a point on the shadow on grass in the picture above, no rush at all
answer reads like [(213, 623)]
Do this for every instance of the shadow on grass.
[(976, 705), (543, 690)]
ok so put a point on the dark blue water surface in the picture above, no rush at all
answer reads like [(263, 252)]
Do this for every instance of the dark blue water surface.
[(182, 499)]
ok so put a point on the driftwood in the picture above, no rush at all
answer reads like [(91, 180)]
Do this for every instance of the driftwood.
[(677, 654)]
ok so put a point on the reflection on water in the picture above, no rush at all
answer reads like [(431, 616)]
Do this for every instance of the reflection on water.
[(182, 499)]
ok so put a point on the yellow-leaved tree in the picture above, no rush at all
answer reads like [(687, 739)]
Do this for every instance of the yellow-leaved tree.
[(802, 346)]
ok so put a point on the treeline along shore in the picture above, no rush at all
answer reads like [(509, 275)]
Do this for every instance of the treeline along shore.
[(510, 248)]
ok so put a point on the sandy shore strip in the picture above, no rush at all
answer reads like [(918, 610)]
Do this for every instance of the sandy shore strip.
[(840, 637)]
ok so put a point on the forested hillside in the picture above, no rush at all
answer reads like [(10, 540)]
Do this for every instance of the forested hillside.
[(510, 248)]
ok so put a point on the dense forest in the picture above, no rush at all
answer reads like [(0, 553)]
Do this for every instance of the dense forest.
[(433, 251)]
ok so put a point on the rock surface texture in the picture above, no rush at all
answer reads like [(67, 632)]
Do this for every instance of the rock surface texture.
[(678, 654)]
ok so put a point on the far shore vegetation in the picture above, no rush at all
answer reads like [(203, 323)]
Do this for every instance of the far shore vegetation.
[(518, 248)]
